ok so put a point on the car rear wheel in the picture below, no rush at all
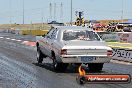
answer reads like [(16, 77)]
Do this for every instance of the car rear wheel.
[(95, 66), (39, 55), (59, 66), (77, 65)]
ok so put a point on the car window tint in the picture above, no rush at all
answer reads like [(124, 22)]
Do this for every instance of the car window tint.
[(80, 35), (54, 34), (92, 35), (50, 32)]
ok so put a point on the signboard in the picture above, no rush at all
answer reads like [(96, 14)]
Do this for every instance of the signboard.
[(122, 54), (110, 37), (119, 37)]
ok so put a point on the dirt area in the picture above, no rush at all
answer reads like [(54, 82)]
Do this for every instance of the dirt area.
[(25, 26)]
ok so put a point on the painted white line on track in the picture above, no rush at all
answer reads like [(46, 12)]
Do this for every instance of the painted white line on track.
[(7, 38), (24, 42), (1, 37), (13, 39), (18, 40)]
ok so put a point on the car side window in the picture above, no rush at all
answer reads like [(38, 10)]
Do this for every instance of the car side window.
[(49, 33), (54, 34)]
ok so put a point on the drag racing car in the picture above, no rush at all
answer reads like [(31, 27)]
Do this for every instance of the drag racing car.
[(73, 45)]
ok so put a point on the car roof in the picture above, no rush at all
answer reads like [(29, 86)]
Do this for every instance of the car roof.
[(73, 28)]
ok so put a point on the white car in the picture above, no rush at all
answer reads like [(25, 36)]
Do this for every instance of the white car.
[(72, 44)]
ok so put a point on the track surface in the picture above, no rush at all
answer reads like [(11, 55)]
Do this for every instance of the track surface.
[(18, 68)]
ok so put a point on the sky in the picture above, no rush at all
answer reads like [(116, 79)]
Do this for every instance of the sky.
[(37, 11)]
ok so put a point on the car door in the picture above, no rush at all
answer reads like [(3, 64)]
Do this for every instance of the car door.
[(45, 43), (52, 41)]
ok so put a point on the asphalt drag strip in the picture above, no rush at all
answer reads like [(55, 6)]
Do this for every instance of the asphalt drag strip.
[(19, 69)]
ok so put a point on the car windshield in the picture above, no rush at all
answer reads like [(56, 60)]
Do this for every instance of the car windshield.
[(80, 35)]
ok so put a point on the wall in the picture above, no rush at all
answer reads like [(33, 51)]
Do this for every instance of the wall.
[(122, 54)]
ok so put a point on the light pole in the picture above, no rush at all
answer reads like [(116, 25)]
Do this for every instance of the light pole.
[(61, 13), (54, 11), (71, 13), (10, 6), (122, 12), (50, 17), (23, 12), (42, 17), (10, 19)]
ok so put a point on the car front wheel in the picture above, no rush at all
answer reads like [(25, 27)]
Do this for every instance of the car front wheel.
[(39, 55)]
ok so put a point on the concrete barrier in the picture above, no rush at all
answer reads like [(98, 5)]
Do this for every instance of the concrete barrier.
[(122, 54)]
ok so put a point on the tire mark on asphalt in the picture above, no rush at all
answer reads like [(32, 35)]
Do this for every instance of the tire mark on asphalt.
[(18, 49), (9, 52)]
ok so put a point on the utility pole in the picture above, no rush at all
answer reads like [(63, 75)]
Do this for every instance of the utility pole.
[(50, 18), (54, 11), (61, 13), (42, 18), (122, 12), (23, 12), (10, 6), (71, 13)]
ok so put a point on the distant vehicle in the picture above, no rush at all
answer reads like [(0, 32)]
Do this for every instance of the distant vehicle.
[(75, 45), (127, 29), (112, 27), (54, 23)]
